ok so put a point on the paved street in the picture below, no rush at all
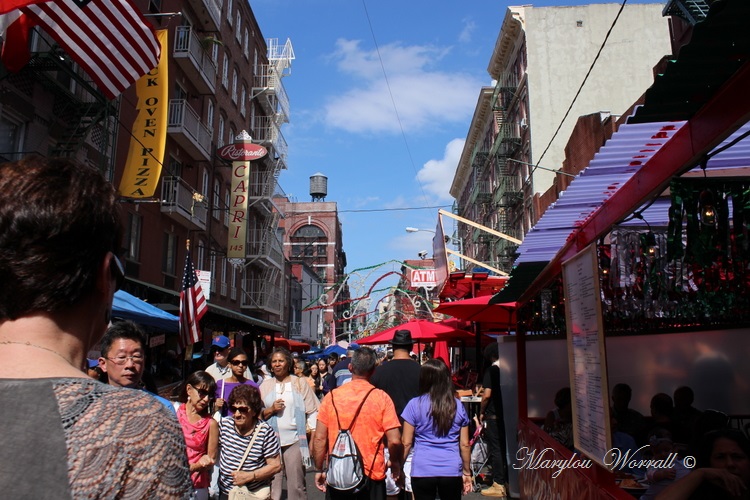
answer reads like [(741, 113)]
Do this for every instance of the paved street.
[(314, 494)]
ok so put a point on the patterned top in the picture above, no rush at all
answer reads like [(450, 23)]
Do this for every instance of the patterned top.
[(79, 438), (233, 446)]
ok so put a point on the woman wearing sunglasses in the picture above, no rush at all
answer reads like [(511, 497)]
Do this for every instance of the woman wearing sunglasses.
[(238, 365), (250, 451), (200, 430)]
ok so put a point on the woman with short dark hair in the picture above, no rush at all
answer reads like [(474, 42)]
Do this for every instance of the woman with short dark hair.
[(250, 452), (437, 427), (60, 233)]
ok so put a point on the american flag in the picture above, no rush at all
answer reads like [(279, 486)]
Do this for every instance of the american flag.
[(192, 305), (109, 39)]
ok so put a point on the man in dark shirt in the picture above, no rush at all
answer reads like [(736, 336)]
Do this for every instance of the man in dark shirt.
[(491, 413), (399, 378)]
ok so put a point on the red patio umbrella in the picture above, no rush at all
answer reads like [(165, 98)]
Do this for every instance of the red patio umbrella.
[(422, 330), (480, 310)]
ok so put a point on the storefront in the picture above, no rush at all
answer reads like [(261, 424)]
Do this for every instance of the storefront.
[(637, 274)]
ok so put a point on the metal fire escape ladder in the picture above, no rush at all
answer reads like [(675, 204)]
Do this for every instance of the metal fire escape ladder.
[(84, 111)]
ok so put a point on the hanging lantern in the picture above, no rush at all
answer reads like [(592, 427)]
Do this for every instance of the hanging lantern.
[(706, 207), (649, 242)]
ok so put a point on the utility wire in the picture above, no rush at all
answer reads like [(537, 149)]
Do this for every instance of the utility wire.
[(393, 101), (575, 98)]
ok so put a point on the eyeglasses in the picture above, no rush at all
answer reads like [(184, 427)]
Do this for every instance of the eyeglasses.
[(118, 272), (237, 362), (239, 409), (137, 359)]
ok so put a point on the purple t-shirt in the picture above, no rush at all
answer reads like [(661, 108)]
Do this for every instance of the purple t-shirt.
[(434, 456), (224, 389)]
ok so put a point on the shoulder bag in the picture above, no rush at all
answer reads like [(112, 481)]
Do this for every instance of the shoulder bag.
[(243, 492)]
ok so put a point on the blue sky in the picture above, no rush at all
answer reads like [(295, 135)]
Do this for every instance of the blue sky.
[(382, 146)]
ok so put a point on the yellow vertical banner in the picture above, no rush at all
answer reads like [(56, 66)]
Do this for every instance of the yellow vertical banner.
[(149, 133)]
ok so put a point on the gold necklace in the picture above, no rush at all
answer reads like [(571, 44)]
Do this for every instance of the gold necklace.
[(29, 344)]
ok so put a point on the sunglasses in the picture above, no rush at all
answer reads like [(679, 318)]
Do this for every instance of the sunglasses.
[(118, 272), (202, 393), (237, 362), (239, 409)]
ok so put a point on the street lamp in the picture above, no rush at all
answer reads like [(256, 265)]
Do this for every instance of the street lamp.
[(448, 239)]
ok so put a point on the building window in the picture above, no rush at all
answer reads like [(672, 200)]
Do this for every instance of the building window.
[(238, 27), (201, 256), (233, 291), (225, 71), (234, 86), (224, 276), (246, 45), (220, 136), (175, 167), (243, 98), (217, 199), (322, 250), (205, 185), (226, 207), (229, 12), (210, 114), (169, 254), (133, 237), (11, 137), (213, 272), (215, 54)]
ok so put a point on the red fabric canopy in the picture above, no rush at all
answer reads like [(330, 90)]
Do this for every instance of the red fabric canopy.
[(289, 344), (422, 330), (480, 310)]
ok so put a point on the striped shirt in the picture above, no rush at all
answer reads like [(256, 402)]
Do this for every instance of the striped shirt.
[(233, 446)]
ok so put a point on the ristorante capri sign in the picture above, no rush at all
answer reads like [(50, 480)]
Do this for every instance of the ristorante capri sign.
[(240, 153)]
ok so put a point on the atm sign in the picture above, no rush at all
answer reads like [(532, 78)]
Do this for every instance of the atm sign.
[(423, 277)]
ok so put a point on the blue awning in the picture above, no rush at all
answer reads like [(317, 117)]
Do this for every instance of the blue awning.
[(126, 306)]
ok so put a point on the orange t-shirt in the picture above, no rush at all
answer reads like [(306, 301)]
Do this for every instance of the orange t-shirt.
[(377, 416)]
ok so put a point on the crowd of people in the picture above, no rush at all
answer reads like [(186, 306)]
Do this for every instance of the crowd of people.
[(236, 429)]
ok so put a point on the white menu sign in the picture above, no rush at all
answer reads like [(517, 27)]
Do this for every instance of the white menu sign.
[(587, 358)]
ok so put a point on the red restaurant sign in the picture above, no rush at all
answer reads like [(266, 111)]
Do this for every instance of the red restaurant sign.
[(242, 152)]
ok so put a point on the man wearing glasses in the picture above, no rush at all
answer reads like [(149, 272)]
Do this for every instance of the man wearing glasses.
[(123, 357)]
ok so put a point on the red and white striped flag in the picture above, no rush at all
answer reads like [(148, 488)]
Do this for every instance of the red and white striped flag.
[(109, 39), (193, 305)]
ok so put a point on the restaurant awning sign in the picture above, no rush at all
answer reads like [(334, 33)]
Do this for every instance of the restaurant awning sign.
[(241, 153)]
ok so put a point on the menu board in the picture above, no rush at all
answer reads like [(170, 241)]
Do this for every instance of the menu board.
[(586, 355)]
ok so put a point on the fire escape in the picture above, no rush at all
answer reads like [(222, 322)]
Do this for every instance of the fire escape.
[(507, 196), (263, 281), (495, 199), (82, 121)]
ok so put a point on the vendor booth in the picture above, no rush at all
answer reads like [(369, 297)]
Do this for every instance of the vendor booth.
[(638, 273)]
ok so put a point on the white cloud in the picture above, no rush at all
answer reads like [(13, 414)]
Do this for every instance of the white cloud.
[(436, 176), (424, 96), (469, 27)]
